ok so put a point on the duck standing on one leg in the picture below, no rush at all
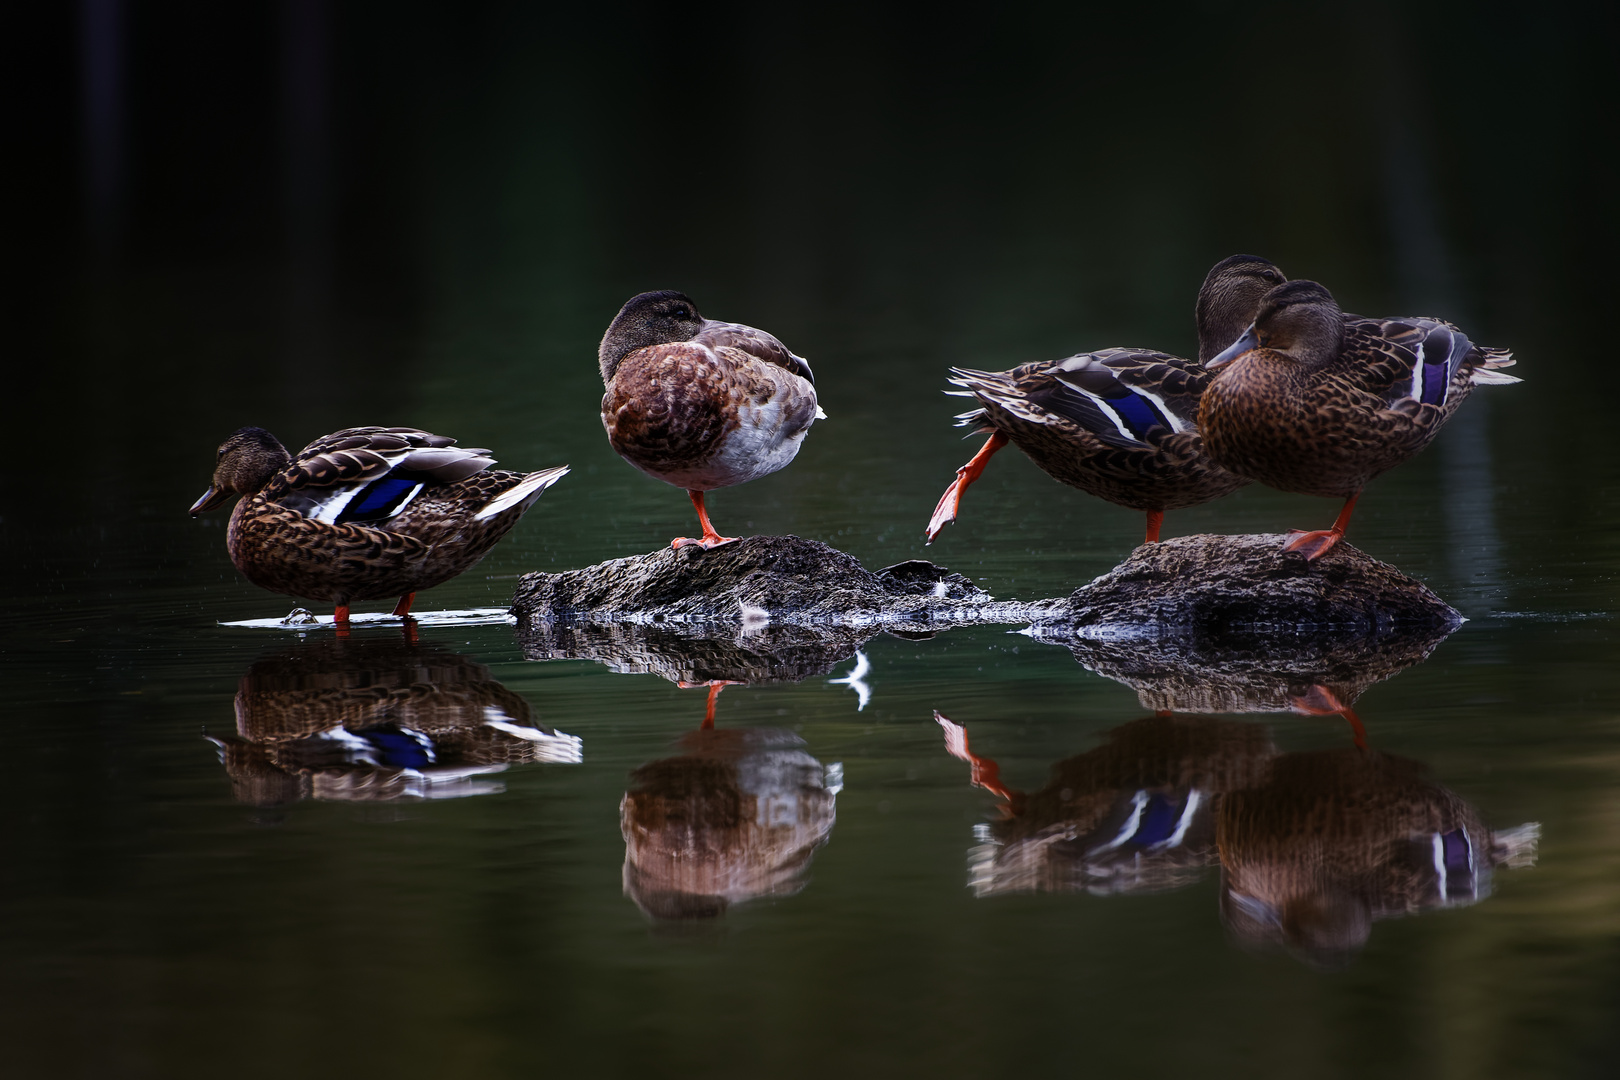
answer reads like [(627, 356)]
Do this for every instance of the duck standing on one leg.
[(1316, 402), (364, 513), (701, 404), (1119, 423)]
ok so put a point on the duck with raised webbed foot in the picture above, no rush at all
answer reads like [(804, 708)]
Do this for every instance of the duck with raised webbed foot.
[(698, 403), (364, 513), (1313, 401), (1119, 424)]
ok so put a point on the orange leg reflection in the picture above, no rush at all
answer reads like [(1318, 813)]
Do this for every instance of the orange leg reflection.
[(984, 772), (715, 686), (1321, 701)]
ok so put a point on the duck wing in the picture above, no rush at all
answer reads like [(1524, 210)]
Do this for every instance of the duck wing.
[(1421, 359), (1125, 397), (371, 474), (755, 343)]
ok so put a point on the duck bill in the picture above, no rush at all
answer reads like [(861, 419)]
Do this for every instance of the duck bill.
[(211, 500), (1247, 343)]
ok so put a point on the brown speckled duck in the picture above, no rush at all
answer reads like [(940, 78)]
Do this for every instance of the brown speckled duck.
[(701, 404), (1119, 424), (364, 513), (1316, 402)]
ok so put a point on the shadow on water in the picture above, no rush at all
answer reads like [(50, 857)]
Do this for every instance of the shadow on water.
[(1312, 847), (375, 720)]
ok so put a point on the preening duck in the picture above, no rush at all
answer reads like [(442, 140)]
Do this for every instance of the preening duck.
[(364, 513), (1313, 401), (698, 403), (1119, 424)]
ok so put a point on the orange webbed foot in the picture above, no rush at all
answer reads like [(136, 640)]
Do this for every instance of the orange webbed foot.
[(705, 542), (1313, 545)]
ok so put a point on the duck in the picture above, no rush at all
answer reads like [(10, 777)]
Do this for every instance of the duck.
[(1316, 402), (701, 404), (364, 513), (1118, 423)]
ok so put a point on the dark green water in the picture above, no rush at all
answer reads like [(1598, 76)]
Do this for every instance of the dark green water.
[(309, 219)]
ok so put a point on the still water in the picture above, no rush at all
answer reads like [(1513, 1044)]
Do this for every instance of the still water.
[(258, 851)]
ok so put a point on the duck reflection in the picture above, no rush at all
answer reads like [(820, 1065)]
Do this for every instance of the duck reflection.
[(1332, 841), (1313, 847), (1134, 815), (734, 816), (373, 720)]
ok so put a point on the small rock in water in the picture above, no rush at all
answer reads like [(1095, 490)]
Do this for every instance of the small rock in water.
[(759, 579)]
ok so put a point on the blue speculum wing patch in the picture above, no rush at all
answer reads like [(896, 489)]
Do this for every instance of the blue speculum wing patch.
[(1159, 820), (380, 500), (1138, 413), (400, 749)]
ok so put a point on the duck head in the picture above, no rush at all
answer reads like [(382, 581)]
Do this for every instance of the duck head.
[(652, 318), (246, 462), (1298, 321), (1229, 298)]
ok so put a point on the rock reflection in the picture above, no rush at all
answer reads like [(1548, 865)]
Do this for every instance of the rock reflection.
[(734, 816), (702, 654), (1313, 847), (370, 720), (698, 652), (1209, 673)]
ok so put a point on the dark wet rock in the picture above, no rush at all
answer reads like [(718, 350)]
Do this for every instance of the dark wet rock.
[(1234, 624), (1240, 588), (685, 652), (781, 579)]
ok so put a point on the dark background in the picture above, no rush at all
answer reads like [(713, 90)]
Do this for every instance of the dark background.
[(296, 215)]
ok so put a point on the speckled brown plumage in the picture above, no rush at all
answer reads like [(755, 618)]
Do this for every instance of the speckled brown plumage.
[(701, 404), (278, 542), (1166, 470), (1329, 424), (1119, 424)]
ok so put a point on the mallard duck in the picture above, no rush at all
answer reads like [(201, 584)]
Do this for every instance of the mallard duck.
[(1314, 401), (701, 404), (364, 513), (1119, 423)]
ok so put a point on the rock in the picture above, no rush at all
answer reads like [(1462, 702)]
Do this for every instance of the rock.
[(1246, 589), (1235, 624), (779, 579)]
